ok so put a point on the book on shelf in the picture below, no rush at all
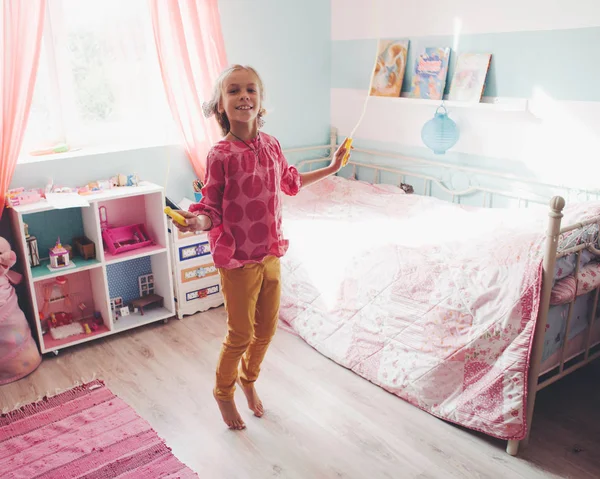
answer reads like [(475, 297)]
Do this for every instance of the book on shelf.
[(430, 71), (390, 68), (468, 80)]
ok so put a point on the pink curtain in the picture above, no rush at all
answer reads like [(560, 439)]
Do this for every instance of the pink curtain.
[(191, 53), (21, 29)]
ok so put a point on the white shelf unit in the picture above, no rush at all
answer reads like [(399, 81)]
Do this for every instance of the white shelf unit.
[(94, 282)]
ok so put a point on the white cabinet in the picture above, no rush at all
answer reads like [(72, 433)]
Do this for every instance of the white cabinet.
[(196, 279)]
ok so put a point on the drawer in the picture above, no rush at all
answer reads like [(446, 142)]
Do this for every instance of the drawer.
[(200, 292), (195, 250), (180, 238), (198, 270), (199, 296)]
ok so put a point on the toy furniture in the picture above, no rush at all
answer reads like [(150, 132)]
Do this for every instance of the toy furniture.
[(98, 275), (125, 238), (32, 251), (59, 256), (197, 280), (144, 301), (19, 355), (84, 247)]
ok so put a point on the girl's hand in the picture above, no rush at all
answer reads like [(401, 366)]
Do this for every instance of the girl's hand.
[(194, 222), (338, 157)]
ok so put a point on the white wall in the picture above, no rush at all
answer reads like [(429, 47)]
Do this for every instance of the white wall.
[(353, 19)]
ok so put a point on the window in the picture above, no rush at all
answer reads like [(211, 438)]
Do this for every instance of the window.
[(99, 82)]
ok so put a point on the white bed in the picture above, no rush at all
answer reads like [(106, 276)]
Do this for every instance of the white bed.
[(443, 304)]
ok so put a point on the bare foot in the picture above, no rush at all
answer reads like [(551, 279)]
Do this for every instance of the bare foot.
[(254, 402), (230, 414)]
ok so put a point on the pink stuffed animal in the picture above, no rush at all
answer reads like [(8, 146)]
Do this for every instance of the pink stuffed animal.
[(19, 355)]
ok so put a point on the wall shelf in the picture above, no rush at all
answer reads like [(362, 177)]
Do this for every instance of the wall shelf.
[(487, 103)]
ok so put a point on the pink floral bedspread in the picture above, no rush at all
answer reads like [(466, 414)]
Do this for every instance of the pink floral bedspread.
[(432, 301)]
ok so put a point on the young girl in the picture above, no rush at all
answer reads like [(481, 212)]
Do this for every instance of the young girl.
[(241, 209)]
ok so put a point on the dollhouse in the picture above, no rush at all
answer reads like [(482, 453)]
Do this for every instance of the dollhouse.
[(71, 301)]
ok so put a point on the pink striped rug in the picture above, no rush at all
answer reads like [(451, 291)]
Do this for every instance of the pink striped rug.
[(86, 432)]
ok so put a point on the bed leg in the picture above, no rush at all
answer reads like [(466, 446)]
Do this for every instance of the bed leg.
[(512, 448)]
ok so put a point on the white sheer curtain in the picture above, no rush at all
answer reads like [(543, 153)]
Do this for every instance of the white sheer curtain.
[(99, 83)]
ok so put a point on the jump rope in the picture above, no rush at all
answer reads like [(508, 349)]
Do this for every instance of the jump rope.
[(347, 143)]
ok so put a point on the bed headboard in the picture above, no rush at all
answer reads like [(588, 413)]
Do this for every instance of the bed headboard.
[(455, 183)]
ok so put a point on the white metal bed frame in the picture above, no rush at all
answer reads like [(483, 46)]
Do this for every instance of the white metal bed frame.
[(553, 233)]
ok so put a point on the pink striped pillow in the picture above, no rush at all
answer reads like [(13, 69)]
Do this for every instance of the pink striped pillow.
[(564, 290)]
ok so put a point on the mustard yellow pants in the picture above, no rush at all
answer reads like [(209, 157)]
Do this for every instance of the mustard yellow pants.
[(252, 295)]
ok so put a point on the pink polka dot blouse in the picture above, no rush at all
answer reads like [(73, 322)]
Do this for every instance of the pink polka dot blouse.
[(242, 197)]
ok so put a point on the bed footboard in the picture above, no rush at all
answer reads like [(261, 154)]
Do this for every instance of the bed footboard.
[(552, 235)]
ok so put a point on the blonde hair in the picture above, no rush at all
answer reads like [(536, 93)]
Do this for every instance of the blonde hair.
[(212, 106)]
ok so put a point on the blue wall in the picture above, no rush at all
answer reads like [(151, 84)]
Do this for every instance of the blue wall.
[(289, 43)]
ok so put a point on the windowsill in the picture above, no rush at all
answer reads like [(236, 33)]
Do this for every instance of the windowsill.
[(25, 159)]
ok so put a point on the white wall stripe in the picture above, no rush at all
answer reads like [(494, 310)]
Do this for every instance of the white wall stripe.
[(357, 19)]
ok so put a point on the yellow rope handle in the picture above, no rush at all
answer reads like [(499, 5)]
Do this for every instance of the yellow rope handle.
[(347, 145), (176, 216)]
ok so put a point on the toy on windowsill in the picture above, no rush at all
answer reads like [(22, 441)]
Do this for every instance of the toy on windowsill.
[(58, 148)]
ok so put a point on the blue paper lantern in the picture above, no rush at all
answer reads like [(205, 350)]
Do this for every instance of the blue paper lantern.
[(440, 133)]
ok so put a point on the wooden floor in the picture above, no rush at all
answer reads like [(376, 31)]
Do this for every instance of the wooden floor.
[(322, 420)]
